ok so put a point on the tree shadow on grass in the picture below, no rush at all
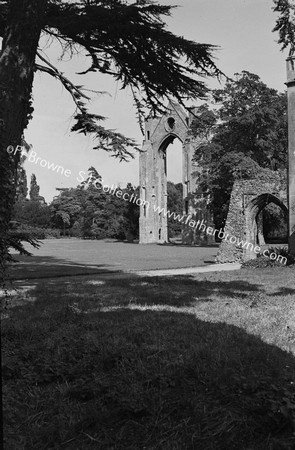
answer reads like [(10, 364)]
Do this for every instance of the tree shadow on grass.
[(182, 291), (170, 293), (99, 287), (34, 267), (154, 380), (283, 291)]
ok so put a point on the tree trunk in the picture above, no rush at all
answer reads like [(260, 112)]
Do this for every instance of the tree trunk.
[(17, 58)]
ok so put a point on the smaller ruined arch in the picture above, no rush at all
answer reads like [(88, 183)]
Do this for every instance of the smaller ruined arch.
[(248, 199), (254, 208), (262, 200)]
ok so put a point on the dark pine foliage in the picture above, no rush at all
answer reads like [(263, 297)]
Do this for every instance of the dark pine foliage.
[(127, 40)]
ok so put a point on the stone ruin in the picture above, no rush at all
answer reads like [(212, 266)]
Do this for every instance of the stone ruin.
[(248, 199), (159, 133)]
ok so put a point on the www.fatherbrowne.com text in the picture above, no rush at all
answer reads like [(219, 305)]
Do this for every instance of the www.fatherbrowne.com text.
[(132, 198), (186, 220)]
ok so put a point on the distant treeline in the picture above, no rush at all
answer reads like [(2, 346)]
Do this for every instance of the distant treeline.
[(84, 211)]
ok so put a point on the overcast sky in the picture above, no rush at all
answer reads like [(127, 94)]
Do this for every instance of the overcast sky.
[(242, 29)]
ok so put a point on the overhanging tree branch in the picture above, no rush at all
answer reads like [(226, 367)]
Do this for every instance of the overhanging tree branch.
[(285, 24), (109, 140), (125, 39), (57, 74)]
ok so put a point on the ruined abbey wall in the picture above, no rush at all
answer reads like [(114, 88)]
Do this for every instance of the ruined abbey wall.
[(248, 198), (159, 133)]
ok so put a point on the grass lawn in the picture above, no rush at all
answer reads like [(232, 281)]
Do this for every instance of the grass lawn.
[(125, 362), (71, 255)]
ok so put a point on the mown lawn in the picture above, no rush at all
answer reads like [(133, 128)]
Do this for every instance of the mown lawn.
[(124, 362)]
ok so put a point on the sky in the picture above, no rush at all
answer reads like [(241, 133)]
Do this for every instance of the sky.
[(241, 28)]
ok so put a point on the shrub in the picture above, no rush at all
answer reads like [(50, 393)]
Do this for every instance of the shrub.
[(262, 262), (76, 230), (51, 233), (38, 232)]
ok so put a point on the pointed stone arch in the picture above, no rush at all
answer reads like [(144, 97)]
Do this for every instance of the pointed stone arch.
[(252, 211), (159, 133), (248, 199)]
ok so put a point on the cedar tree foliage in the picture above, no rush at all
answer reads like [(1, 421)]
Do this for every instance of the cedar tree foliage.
[(127, 40)]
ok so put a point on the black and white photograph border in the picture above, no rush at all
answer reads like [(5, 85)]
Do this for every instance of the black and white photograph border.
[(147, 224)]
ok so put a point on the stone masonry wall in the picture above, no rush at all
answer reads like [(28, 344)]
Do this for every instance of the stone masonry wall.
[(248, 197)]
